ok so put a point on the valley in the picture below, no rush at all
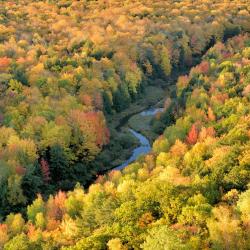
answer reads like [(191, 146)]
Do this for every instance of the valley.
[(124, 125)]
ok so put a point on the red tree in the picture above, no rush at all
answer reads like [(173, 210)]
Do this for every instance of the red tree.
[(92, 123), (45, 170), (4, 62), (86, 100), (210, 114), (204, 67), (192, 136), (20, 170)]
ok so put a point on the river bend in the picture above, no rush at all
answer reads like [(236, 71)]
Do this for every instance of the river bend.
[(144, 146)]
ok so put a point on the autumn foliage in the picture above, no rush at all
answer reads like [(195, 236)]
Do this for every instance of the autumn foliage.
[(190, 192), (4, 62), (69, 70), (45, 170), (192, 136)]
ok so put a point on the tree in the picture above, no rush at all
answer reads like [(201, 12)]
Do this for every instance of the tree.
[(165, 62), (148, 68), (15, 192), (15, 223), (15, 86), (53, 134), (32, 182), (196, 211), (161, 145), (246, 91), (115, 244), (162, 238), (45, 170), (59, 163), (89, 133), (224, 229), (40, 221), (206, 132), (121, 98), (4, 237), (19, 242), (38, 206), (23, 151), (179, 148), (4, 63), (56, 206), (133, 80), (107, 103), (74, 202), (192, 136), (244, 206), (211, 115)]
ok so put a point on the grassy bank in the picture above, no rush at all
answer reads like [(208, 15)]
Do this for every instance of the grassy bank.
[(122, 143), (151, 96)]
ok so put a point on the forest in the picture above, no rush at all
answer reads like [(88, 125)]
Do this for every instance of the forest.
[(71, 71)]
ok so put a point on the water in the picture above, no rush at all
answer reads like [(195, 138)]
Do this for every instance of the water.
[(145, 146), (151, 111)]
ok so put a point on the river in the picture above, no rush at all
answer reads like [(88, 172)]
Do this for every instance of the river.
[(144, 146)]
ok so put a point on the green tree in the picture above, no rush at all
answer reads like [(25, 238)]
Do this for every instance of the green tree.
[(15, 223), (165, 62), (224, 229), (15, 192), (162, 238), (19, 242), (38, 206), (59, 165)]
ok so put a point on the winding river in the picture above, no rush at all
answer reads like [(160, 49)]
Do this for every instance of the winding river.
[(144, 146)]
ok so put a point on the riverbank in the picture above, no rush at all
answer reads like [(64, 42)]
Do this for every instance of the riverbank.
[(122, 142), (153, 96), (143, 148), (117, 152)]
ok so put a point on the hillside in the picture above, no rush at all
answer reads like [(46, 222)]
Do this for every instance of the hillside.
[(191, 192), (74, 75), (66, 67)]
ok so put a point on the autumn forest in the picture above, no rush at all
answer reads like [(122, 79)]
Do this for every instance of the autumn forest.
[(77, 76)]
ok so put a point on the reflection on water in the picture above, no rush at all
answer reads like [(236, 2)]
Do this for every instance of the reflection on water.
[(145, 146)]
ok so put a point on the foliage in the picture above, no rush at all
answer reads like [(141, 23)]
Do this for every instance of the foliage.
[(64, 65)]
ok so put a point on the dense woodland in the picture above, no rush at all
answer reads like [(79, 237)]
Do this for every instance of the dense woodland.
[(66, 67), (191, 192)]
